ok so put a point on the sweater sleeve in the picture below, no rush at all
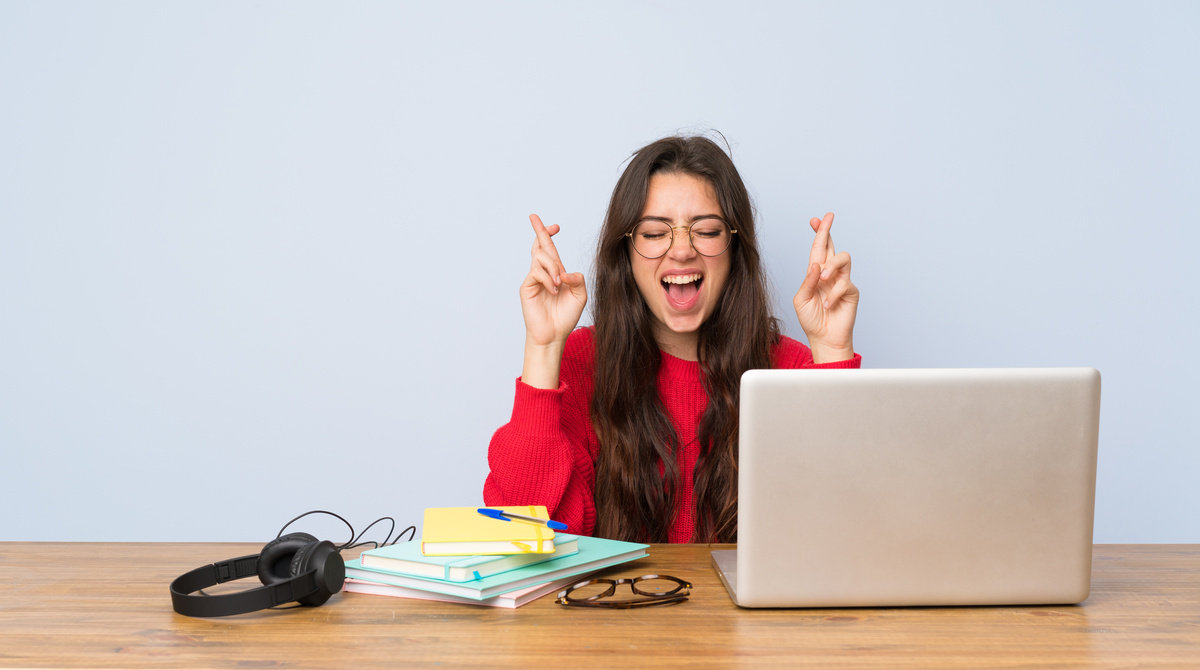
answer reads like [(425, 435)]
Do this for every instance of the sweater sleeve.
[(542, 456), (793, 355)]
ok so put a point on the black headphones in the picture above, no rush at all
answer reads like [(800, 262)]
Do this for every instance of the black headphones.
[(293, 567), (296, 566)]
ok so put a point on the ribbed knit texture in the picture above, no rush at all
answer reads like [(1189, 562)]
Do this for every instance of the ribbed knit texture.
[(546, 454)]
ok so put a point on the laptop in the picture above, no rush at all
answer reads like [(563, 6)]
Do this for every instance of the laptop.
[(883, 488)]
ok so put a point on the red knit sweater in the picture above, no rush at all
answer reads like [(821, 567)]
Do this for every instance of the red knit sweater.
[(546, 454)]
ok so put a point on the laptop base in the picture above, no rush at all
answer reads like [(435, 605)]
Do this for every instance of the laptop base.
[(725, 563)]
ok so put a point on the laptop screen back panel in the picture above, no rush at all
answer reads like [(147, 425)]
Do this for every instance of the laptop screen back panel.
[(916, 487)]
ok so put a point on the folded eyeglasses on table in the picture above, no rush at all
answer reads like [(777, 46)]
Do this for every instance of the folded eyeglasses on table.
[(649, 590)]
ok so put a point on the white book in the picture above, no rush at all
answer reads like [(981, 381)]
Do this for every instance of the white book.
[(510, 600)]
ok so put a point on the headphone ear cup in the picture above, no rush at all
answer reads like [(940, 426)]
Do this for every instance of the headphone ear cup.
[(275, 561), (331, 570), (299, 564)]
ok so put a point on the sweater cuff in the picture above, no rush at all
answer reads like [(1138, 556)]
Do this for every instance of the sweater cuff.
[(537, 412), (851, 363)]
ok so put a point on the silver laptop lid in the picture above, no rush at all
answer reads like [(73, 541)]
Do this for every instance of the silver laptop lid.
[(916, 487)]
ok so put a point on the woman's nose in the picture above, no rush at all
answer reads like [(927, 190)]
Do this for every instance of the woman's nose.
[(681, 242)]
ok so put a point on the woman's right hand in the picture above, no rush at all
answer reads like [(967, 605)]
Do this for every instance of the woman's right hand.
[(552, 301)]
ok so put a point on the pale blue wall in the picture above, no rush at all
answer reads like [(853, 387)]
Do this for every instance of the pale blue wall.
[(257, 258)]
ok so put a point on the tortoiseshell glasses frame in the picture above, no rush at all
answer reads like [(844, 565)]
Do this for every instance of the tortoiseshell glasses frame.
[(679, 593)]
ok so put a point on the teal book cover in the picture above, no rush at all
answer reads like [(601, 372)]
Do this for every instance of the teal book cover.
[(407, 559), (594, 554)]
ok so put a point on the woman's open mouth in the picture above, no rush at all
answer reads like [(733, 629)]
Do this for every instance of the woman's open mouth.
[(683, 290)]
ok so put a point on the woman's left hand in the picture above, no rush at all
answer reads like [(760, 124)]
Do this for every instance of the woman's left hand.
[(827, 302)]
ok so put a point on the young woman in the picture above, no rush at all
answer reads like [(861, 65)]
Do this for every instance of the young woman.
[(628, 429)]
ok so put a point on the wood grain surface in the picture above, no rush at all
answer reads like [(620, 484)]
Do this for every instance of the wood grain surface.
[(106, 605)]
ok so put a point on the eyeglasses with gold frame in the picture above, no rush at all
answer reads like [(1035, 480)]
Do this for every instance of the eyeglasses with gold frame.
[(677, 593), (653, 238)]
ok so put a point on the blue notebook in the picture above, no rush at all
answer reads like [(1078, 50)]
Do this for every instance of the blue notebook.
[(594, 553), (407, 559)]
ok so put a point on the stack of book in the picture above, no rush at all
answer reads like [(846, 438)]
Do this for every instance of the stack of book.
[(466, 557)]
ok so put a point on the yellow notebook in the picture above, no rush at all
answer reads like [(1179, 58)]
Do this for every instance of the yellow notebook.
[(463, 531)]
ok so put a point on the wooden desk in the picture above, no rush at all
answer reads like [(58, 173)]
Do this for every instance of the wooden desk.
[(106, 605)]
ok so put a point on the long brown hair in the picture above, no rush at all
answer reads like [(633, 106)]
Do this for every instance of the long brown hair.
[(634, 501)]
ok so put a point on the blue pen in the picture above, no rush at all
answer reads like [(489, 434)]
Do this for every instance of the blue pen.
[(509, 516)]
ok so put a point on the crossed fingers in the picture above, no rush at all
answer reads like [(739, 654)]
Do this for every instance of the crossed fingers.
[(832, 265), (546, 267)]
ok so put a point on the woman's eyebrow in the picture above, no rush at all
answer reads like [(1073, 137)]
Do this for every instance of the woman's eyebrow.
[(668, 220)]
